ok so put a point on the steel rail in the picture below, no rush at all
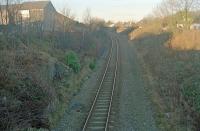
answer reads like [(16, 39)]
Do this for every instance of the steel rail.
[(99, 89), (113, 90)]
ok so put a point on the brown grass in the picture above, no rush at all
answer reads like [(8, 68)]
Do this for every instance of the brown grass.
[(150, 27), (25, 93), (172, 75), (173, 82), (186, 40)]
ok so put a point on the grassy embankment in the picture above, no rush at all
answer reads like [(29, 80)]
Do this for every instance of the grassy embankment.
[(171, 65), (37, 81)]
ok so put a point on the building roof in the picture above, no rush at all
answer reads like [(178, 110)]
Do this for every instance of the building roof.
[(35, 5), (29, 5)]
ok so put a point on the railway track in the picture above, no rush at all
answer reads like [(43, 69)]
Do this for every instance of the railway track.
[(101, 110)]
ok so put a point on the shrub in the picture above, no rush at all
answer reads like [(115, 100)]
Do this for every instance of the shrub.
[(22, 102), (92, 65), (72, 60), (191, 92)]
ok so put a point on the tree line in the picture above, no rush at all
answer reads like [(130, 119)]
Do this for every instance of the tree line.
[(177, 10)]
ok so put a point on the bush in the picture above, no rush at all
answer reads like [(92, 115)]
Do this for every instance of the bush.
[(72, 60), (22, 102), (92, 65), (191, 92)]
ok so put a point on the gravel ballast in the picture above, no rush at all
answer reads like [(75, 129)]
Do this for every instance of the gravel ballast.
[(135, 109)]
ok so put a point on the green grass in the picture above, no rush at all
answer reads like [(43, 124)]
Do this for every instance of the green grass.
[(191, 91), (92, 65), (72, 60)]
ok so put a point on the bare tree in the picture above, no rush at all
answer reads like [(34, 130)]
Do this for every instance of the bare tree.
[(87, 18), (67, 23), (97, 23), (173, 11), (186, 6), (166, 8), (10, 11), (66, 11), (69, 18), (1, 12), (7, 11), (14, 11)]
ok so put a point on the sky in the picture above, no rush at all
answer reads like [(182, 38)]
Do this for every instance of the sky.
[(115, 10)]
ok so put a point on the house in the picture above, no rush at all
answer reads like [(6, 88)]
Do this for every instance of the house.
[(38, 12), (180, 26), (111, 25), (195, 26)]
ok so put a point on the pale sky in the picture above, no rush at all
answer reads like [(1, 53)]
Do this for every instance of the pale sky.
[(116, 10)]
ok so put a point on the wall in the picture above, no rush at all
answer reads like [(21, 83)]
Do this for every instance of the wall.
[(49, 17), (4, 18)]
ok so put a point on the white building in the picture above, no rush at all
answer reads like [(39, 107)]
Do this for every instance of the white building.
[(195, 26)]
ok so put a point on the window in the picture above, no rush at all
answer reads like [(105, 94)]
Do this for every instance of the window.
[(25, 14)]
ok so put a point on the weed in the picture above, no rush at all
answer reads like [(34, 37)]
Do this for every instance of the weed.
[(72, 60), (92, 65)]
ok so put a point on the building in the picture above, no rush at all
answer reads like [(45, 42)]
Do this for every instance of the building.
[(38, 12), (195, 26), (180, 26)]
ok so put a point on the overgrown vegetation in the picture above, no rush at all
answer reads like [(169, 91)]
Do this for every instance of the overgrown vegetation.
[(167, 48), (36, 82), (73, 61), (191, 91), (181, 17), (24, 95), (92, 65), (172, 74)]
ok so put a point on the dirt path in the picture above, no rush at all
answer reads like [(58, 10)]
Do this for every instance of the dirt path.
[(135, 112)]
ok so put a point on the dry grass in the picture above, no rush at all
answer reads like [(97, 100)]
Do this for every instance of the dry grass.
[(186, 40), (158, 66), (175, 88), (35, 81), (150, 27), (24, 94), (173, 75)]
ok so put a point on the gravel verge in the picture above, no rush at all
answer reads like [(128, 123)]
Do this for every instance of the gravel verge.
[(135, 108)]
